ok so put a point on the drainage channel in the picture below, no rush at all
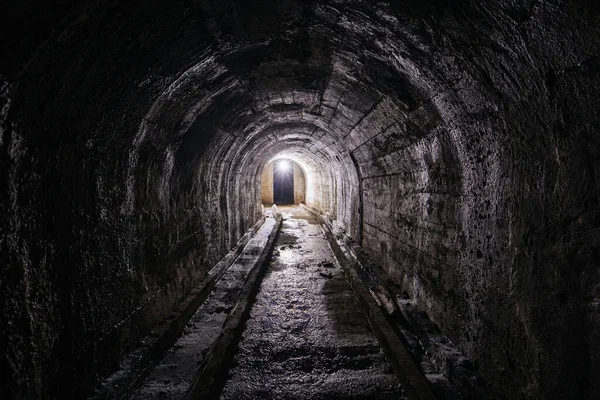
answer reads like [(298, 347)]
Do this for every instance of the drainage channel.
[(174, 375)]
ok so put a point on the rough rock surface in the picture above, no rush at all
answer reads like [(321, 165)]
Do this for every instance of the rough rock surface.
[(457, 141)]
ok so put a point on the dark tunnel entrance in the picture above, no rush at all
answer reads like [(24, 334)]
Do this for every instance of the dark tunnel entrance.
[(283, 182)]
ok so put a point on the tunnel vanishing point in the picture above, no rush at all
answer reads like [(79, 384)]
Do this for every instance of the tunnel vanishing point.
[(452, 146)]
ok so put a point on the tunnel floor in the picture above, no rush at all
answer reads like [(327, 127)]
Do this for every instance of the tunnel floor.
[(306, 337)]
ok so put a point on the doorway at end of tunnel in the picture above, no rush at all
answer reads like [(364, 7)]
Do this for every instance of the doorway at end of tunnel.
[(283, 182)]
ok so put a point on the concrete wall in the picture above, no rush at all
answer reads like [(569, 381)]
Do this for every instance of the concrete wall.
[(299, 184), (266, 185)]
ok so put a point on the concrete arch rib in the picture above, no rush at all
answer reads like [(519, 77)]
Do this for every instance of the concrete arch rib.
[(332, 178)]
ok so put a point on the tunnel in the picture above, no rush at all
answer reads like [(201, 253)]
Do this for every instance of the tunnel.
[(453, 146)]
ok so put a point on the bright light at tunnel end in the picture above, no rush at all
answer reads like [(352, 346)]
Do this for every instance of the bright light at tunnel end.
[(283, 165), (307, 164)]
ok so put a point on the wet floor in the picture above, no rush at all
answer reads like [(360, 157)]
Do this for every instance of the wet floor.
[(307, 337)]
